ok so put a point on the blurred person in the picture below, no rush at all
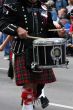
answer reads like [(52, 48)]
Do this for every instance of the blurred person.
[(2, 46), (70, 45), (71, 24), (7, 47), (69, 6), (68, 25), (71, 20), (60, 4), (63, 20), (51, 7), (65, 23)]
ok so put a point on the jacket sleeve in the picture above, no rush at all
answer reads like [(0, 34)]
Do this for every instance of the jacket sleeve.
[(8, 21)]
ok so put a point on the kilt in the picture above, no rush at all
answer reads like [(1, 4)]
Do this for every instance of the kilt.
[(24, 75)]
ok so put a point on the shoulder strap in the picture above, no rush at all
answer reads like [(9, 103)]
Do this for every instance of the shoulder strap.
[(10, 1)]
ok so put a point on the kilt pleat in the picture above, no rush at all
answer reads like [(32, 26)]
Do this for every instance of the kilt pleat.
[(24, 75)]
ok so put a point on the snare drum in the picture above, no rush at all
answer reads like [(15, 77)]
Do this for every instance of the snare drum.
[(49, 52)]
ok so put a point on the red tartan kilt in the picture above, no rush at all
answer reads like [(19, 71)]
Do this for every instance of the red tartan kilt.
[(24, 76)]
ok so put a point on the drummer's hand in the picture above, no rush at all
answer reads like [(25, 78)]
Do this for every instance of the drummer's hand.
[(62, 32), (22, 33), (57, 25)]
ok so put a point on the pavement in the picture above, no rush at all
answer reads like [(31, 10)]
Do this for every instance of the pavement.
[(60, 93)]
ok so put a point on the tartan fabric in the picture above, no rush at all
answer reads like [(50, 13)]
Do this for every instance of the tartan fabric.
[(24, 76)]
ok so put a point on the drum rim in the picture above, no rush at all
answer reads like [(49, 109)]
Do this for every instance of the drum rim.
[(46, 41)]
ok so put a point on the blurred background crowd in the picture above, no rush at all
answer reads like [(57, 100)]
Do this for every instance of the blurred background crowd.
[(62, 16)]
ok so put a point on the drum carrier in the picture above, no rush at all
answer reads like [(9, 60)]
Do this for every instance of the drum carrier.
[(49, 53)]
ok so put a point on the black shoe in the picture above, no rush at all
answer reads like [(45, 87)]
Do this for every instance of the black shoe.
[(44, 102)]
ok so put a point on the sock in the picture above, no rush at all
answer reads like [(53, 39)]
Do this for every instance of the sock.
[(28, 98), (23, 107), (29, 107)]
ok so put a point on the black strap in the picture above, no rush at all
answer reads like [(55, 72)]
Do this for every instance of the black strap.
[(9, 1)]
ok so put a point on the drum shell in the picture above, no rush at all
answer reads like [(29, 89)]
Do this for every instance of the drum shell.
[(42, 54)]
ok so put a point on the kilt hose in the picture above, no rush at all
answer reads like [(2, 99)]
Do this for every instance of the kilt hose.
[(24, 75)]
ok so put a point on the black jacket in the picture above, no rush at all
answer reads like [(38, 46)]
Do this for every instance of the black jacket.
[(19, 14), (1, 7), (34, 19)]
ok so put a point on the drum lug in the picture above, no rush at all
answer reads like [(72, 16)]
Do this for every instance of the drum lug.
[(33, 65)]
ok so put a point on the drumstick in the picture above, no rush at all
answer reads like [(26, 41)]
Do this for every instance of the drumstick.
[(8, 38), (57, 29), (33, 37)]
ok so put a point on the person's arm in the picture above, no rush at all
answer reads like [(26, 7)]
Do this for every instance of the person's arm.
[(54, 25), (8, 38), (9, 23)]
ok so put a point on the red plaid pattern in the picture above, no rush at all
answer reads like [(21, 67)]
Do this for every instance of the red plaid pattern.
[(22, 75)]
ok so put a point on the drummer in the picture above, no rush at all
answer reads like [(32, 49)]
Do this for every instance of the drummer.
[(21, 19)]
